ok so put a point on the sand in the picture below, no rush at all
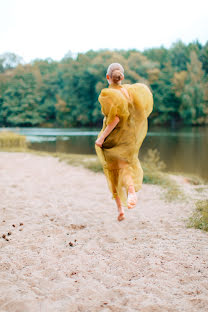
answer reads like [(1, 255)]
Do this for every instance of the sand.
[(67, 252)]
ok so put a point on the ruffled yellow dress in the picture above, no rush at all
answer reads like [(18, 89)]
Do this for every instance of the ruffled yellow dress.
[(119, 152)]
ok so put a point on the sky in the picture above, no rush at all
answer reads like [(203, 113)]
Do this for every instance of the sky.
[(51, 28)]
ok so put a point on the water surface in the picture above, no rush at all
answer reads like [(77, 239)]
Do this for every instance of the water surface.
[(183, 150)]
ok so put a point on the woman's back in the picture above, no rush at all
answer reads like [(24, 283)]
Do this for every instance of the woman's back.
[(132, 103)]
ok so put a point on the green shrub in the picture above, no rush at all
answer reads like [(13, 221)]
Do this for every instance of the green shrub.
[(152, 160), (153, 168), (199, 219)]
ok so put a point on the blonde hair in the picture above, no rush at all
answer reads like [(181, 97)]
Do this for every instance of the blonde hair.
[(116, 72)]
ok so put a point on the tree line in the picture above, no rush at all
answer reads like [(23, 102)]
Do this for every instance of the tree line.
[(48, 93)]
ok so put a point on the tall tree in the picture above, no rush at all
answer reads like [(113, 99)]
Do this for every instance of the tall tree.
[(190, 87)]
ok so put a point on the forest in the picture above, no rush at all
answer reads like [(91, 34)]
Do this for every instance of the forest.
[(48, 93)]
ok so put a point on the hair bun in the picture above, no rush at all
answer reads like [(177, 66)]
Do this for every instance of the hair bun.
[(116, 76)]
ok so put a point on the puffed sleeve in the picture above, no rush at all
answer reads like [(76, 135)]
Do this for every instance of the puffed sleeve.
[(142, 98), (113, 104)]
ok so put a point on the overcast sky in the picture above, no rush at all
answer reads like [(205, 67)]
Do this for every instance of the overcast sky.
[(50, 28)]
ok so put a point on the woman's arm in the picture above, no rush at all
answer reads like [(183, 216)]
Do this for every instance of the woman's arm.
[(107, 131)]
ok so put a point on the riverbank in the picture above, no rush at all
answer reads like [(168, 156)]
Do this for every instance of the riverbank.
[(64, 250)]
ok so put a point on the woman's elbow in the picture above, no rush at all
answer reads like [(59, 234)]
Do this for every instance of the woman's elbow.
[(117, 119), (114, 122)]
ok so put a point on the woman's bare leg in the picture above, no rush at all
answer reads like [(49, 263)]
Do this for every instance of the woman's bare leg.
[(132, 198), (121, 215), (117, 199), (128, 181)]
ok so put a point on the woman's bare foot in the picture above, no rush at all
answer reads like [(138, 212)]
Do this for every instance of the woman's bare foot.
[(132, 198), (121, 216)]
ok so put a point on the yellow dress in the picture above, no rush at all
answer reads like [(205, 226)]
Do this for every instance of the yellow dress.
[(119, 152)]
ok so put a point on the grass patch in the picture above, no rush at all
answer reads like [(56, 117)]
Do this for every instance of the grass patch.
[(12, 140), (153, 168), (173, 190), (200, 190), (199, 219)]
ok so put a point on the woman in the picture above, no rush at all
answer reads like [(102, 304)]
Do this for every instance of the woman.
[(125, 109)]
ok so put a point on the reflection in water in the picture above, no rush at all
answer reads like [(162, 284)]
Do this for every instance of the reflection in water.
[(183, 150), (73, 144), (186, 154)]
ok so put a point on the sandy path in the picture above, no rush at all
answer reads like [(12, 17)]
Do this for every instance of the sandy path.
[(149, 262)]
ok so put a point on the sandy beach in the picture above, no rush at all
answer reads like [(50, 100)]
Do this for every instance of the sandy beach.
[(64, 249)]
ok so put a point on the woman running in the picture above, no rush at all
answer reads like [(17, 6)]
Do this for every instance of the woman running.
[(126, 109)]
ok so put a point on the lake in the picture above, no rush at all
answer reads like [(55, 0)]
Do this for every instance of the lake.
[(183, 150)]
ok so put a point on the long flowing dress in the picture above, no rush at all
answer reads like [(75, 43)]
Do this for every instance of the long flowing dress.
[(119, 152)]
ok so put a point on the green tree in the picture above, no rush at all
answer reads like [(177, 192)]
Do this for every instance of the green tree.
[(191, 91), (165, 102), (49, 93), (19, 102), (179, 55), (203, 56)]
